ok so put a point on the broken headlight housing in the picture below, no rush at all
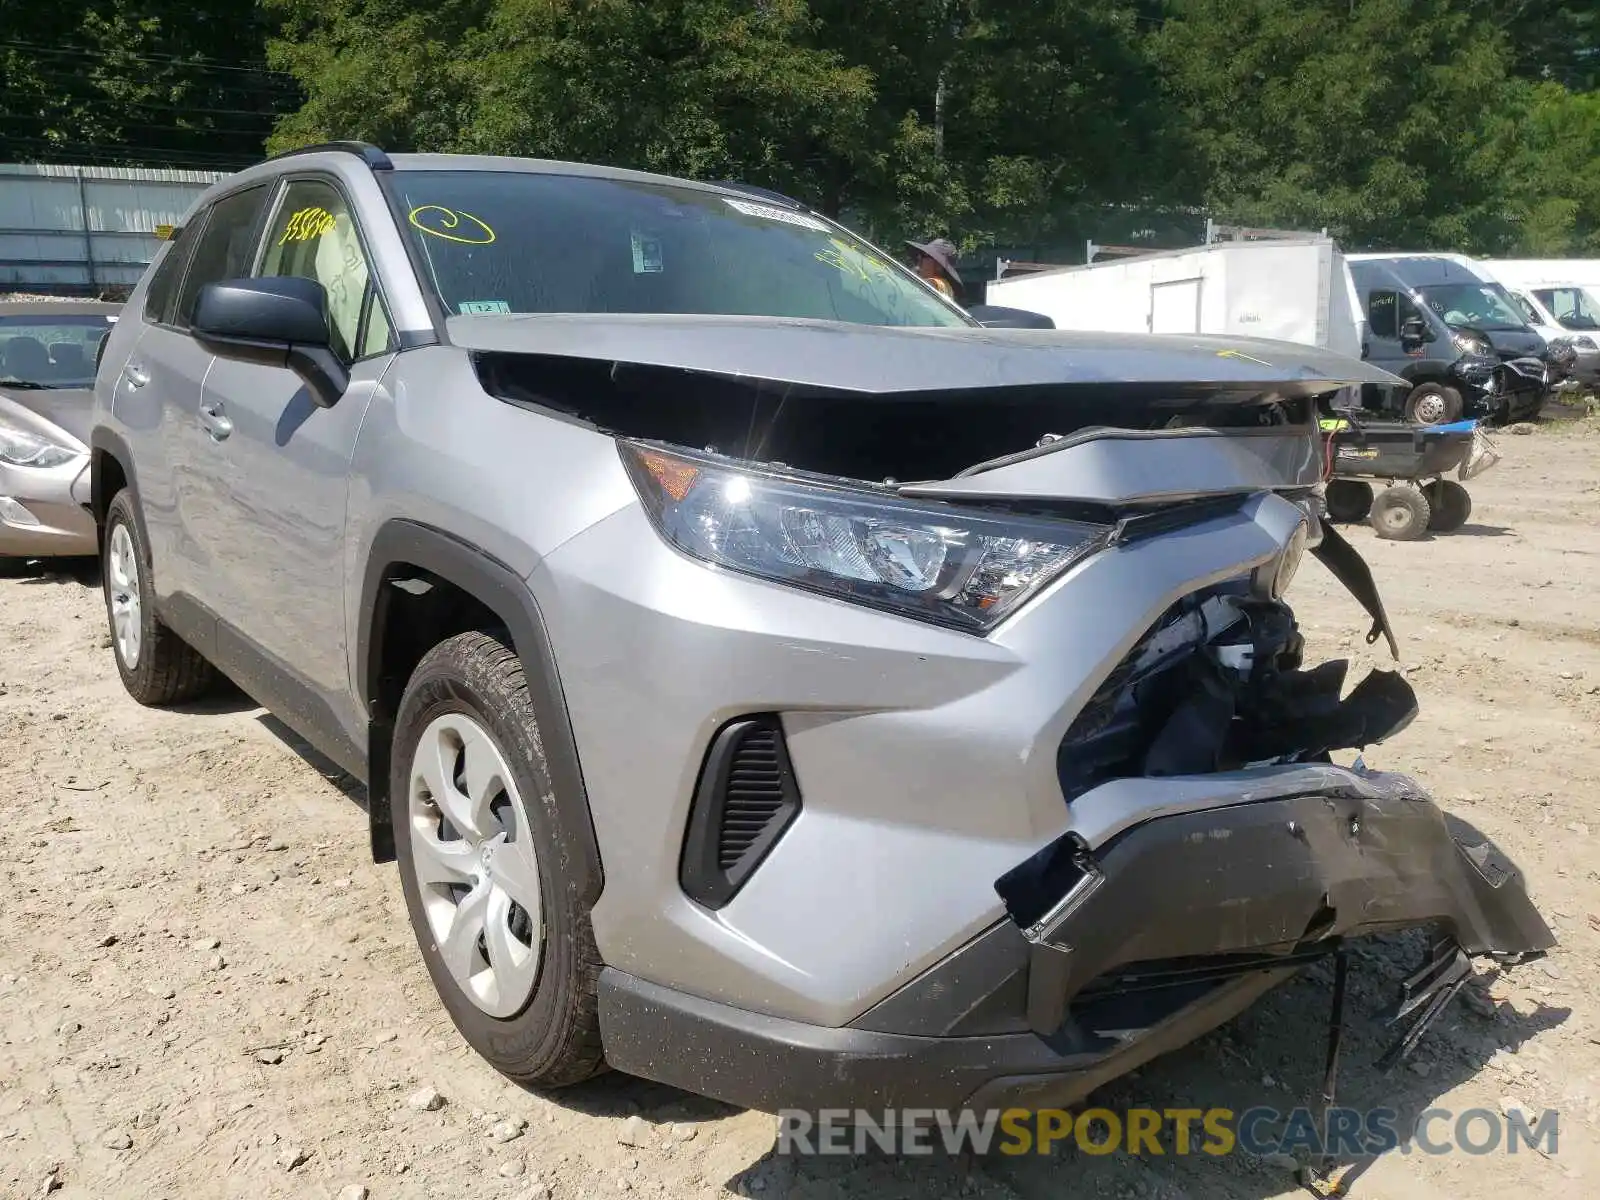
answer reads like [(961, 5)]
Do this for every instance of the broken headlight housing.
[(949, 566)]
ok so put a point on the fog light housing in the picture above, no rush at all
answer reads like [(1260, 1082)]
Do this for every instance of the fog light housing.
[(12, 512)]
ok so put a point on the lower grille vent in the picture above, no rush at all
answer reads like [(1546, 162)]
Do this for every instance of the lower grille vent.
[(747, 796)]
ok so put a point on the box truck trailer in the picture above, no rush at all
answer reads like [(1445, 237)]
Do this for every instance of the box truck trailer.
[(1288, 289)]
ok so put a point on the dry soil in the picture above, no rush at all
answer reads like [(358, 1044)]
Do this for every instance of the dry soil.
[(207, 989)]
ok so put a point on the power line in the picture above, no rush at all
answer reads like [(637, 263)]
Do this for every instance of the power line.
[(198, 62)]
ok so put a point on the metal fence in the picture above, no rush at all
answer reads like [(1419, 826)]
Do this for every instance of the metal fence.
[(77, 231)]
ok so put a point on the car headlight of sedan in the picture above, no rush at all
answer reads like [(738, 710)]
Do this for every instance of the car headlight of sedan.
[(19, 448), (949, 566), (1581, 341)]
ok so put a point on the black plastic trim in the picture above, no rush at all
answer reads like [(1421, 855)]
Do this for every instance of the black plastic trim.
[(982, 988), (497, 587), (368, 153), (701, 873), (771, 1064)]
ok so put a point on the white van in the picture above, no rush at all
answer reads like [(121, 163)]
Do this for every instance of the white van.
[(1563, 295)]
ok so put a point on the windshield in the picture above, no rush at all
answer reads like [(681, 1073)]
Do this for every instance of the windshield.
[(1480, 305), (49, 350), (1573, 307), (518, 242)]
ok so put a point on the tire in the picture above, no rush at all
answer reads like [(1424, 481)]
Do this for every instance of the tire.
[(469, 697), (1349, 500), (1400, 514), (1433, 404), (157, 666), (1449, 505)]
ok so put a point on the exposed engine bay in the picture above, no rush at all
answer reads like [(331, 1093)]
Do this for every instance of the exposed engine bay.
[(1218, 684)]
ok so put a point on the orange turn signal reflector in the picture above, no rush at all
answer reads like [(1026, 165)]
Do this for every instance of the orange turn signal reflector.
[(675, 476)]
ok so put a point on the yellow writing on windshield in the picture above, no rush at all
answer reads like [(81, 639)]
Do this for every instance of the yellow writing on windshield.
[(1242, 357), (451, 224), (844, 257), (306, 224)]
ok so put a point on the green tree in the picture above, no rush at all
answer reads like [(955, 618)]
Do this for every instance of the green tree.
[(973, 117), (1391, 122), (137, 81)]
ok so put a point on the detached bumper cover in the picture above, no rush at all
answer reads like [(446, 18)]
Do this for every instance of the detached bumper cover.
[(1185, 921)]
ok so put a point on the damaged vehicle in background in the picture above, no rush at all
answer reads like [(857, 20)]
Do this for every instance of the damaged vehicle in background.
[(1455, 337), (770, 681)]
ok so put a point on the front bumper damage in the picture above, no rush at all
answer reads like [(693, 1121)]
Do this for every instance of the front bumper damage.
[(1124, 941)]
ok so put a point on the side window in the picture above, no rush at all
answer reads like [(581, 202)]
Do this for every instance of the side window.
[(1381, 308), (1525, 307), (314, 236), (225, 248), (163, 289)]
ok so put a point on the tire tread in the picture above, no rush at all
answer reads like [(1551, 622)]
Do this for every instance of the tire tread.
[(169, 671)]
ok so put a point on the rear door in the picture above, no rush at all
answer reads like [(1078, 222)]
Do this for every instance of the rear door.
[(275, 519)]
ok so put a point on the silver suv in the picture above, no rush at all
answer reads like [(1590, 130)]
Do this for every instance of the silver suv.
[(769, 680)]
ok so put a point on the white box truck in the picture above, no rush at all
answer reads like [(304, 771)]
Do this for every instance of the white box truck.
[(1290, 289)]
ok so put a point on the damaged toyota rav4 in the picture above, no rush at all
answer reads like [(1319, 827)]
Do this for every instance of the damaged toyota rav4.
[(770, 680)]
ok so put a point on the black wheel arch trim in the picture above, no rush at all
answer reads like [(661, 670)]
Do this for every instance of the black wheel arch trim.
[(109, 443), (498, 588)]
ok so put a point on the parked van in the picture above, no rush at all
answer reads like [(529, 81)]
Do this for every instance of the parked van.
[(1455, 334), (1557, 295)]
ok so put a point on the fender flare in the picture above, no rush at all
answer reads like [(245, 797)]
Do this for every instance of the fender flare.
[(498, 588)]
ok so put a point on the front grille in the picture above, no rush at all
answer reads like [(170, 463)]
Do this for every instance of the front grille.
[(745, 799)]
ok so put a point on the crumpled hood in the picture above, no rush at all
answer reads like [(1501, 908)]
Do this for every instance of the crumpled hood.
[(49, 412), (884, 359)]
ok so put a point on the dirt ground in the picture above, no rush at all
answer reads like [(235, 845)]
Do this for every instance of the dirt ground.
[(208, 990)]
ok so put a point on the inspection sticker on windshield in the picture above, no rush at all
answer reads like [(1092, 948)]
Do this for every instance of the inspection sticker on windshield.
[(646, 254), (472, 307), (771, 212)]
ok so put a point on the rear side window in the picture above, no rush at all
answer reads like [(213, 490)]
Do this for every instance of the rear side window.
[(163, 289), (226, 246)]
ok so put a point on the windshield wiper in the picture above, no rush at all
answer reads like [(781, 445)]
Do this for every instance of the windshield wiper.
[(24, 385)]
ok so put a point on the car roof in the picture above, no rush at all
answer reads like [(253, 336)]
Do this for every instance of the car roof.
[(58, 308), (288, 162)]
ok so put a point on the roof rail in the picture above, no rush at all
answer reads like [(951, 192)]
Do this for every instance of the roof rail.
[(368, 153)]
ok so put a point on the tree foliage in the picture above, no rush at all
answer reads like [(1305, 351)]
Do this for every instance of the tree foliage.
[(1460, 124), (120, 81)]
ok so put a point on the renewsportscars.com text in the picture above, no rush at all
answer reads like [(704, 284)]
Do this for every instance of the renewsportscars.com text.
[(1345, 1133)]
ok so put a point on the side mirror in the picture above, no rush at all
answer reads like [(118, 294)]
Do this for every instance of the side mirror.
[(280, 321), (992, 316), (1413, 329)]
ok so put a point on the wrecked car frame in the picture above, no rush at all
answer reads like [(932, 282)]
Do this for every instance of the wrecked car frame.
[(901, 712)]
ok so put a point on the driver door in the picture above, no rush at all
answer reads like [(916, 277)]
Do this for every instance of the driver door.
[(286, 463)]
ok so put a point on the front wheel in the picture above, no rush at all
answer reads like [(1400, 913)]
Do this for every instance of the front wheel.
[(479, 840), (1449, 504), (157, 666), (1400, 514), (1433, 404)]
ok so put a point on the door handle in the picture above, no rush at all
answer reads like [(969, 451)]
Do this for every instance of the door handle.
[(136, 375), (215, 420)]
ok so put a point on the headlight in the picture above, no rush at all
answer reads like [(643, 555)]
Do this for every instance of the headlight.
[(1471, 343), (1272, 579), (1582, 341), (930, 562), (21, 449)]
